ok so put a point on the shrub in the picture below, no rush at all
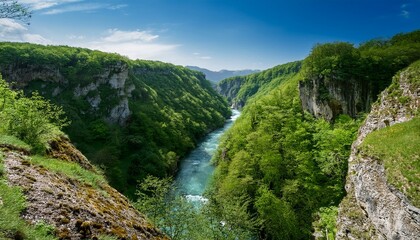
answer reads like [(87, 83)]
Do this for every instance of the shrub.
[(33, 120)]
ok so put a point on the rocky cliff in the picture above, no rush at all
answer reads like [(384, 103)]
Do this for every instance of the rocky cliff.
[(49, 79), (373, 208), (133, 118), (74, 204), (328, 99), (229, 88)]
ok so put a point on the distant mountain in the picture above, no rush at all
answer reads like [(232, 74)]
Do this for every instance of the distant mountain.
[(215, 77)]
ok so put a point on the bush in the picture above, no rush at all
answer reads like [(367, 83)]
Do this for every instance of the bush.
[(33, 120)]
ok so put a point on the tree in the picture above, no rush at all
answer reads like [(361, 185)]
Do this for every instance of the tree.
[(13, 9)]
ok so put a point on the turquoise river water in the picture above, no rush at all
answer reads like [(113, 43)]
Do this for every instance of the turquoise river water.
[(196, 169)]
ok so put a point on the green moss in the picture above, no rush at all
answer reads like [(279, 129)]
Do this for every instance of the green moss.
[(398, 147)]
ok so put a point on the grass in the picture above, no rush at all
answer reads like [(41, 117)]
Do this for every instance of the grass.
[(12, 203), (398, 147), (14, 141), (70, 169)]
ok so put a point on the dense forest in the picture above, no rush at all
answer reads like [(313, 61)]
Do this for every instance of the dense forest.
[(287, 168), (238, 90), (131, 118)]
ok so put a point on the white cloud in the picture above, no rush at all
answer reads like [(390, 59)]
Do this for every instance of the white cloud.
[(44, 4), (62, 6), (405, 14), (133, 50), (10, 30), (8, 25), (76, 8), (35, 38), (116, 7), (116, 35), (76, 37), (133, 44), (206, 57)]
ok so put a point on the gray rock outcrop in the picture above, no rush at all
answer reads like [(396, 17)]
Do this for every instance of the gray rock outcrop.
[(328, 99), (373, 209)]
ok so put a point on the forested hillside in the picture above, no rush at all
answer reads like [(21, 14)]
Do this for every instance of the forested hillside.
[(131, 118), (342, 79), (287, 167), (238, 90)]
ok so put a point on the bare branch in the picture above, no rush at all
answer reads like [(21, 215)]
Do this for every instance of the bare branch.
[(13, 9)]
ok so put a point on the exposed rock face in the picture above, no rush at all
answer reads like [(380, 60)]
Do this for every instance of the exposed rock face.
[(22, 75), (373, 209), (327, 99), (113, 76), (230, 89), (76, 209)]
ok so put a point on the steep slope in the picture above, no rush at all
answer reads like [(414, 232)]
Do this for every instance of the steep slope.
[(217, 76), (48, 188), (133, 118), (76, 207), (342, 79), (239, 89), (282, 161), (278, 166), (376, 205)]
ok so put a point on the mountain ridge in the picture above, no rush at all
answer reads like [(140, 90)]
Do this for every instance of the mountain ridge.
[(217, 76), (125, 114)]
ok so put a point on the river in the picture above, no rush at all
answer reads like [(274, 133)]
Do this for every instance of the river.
[(196, 169)]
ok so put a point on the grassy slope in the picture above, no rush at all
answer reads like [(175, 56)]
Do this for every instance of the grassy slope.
[(398, 147), (12, 203)]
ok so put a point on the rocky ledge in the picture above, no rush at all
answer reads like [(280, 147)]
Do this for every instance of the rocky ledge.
[(374, 209), (76, 209)]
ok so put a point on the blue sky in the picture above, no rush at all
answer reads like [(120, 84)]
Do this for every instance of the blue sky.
[(214, 34)]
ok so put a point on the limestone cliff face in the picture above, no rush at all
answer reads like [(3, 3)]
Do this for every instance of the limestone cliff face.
[(229, 88), (373, 209), (52, 82), (75, 208), (327, 99)]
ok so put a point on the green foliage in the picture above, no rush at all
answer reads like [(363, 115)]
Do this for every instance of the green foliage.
[(372, 64), (398, 147), (240, 89), (181, 219), (12, 203), (171, 107), (283, 162), (279, 218), (33, 120), (326, 223), (334, 61)]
